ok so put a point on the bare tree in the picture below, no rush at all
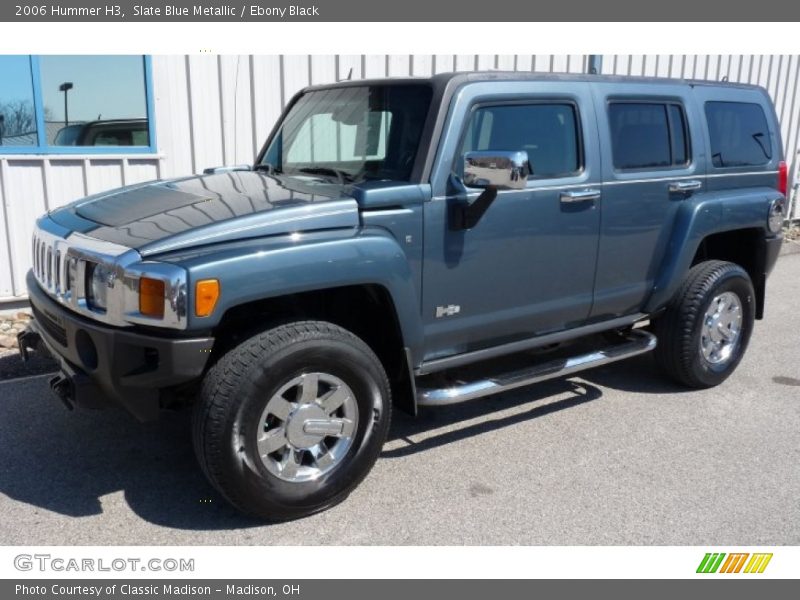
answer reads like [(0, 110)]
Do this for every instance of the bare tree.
[(19, 117)]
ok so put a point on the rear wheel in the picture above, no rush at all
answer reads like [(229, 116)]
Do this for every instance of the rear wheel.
[(291, 420), (705, 330)]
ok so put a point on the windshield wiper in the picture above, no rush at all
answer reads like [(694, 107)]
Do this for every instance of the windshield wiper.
[(342, 176), (759, 138)]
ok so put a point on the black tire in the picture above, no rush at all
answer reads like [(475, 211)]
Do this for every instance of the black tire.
[(680, 328), (235, 393)]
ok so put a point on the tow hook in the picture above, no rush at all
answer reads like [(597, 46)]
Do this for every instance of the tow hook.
[(63, 387), (28, 340)]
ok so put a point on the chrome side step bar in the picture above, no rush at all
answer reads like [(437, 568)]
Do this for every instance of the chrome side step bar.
[(636, 342)]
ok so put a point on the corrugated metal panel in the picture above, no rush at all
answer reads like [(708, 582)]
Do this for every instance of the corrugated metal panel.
[(66, 181), (173, 117), (105, 175), (214, 110), (24, 195), (6, 247)]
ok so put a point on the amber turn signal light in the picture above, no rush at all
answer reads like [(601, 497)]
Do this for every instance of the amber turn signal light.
[(206, 294), (151, 297)]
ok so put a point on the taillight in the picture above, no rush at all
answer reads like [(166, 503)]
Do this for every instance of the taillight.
[(783, 177)]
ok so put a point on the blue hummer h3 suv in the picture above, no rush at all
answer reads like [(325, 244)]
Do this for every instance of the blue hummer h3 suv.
[(414, 242)]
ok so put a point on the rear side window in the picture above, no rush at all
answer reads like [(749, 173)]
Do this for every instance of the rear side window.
[(648, 135), (547, 132), (739, 134)]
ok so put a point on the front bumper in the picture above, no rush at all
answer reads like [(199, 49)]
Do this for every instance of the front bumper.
[(99, 362)]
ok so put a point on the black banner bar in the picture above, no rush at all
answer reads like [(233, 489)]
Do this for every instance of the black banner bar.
[(393, 11), (344, 589)]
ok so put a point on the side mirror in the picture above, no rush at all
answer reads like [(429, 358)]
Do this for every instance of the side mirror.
[(503, 170), (492, 170)]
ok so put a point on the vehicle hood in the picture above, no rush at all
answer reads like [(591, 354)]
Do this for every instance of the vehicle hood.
[(172, 214)]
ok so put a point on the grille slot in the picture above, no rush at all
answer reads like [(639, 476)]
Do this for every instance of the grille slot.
[(49, 263), (42, 261), (58, 273), (53, 329)]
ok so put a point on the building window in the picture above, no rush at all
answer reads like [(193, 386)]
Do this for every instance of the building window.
[(75, 105), (17, 114)]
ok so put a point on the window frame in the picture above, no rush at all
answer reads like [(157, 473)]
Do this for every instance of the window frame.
[(666, 103), (769, 132), (549, 100), (43, 148)]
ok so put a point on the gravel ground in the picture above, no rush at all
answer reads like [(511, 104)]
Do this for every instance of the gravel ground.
[(616, 456)]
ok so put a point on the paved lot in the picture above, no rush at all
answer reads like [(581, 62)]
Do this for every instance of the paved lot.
[(618, 456)]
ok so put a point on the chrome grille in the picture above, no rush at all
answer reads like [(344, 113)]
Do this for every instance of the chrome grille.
[(48, 264)]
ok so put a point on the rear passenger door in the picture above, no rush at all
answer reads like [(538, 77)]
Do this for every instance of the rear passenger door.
[(650, 166)]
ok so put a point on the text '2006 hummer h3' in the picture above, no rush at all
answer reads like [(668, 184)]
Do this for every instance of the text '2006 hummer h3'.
[(414, 242)]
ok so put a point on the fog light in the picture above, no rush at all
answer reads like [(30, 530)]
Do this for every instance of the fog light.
[(206, 294), (151, 297)]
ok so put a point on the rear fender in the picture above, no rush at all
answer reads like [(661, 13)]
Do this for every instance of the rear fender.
[(704, 215)]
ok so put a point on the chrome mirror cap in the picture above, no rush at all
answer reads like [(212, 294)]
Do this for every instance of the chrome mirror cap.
[(496, 168)]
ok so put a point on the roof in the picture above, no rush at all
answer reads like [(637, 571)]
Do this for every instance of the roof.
[(444, 80)]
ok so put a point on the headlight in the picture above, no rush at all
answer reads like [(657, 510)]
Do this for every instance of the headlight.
[(776, 215), (99, 279)]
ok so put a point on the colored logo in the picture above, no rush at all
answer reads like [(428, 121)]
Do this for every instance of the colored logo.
[(735, 562)]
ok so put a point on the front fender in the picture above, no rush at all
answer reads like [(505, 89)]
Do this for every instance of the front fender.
[(289, 264), (701, 216)]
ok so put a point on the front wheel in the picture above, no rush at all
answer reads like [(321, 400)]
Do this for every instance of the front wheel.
[(704, 332), (291, 420)]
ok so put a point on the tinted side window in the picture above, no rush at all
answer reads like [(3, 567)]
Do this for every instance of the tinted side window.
[(678, 135), (739, 134), (647, 135), (547, 132)]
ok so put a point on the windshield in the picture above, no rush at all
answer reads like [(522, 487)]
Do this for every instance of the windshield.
[(351, 134)]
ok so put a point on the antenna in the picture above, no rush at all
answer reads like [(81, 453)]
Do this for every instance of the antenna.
[(349, 76)]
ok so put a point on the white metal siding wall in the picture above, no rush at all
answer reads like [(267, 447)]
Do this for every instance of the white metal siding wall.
[(215, 110)]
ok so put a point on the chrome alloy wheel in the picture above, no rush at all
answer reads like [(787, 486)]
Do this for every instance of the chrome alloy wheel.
[(307, 427), (722, 328)]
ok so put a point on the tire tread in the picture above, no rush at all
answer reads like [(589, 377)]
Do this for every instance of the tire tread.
[(676, 351), (212, 413)]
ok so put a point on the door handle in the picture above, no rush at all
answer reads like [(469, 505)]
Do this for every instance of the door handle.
[(685, 186), (579, 196)]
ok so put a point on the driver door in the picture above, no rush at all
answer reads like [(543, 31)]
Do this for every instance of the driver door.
[(527, 267)]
